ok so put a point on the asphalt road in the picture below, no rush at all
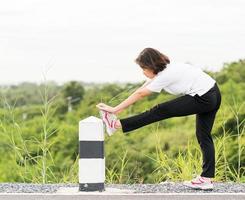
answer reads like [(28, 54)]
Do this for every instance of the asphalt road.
[(150, 196)]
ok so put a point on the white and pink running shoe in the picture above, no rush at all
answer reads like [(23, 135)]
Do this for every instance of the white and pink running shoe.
[(200, 183), (109, 120)]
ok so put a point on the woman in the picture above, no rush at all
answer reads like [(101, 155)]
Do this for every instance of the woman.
[(200, 95)]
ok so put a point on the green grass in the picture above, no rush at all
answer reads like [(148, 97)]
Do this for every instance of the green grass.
[(156, 153), (30, 166)]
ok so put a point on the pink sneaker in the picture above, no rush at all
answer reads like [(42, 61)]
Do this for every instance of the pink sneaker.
[(200, 183), (109, 121)]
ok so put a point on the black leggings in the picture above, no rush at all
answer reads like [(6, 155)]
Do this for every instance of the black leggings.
[(205, 108)]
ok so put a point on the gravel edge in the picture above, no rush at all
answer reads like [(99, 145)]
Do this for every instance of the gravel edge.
[(166, 187)]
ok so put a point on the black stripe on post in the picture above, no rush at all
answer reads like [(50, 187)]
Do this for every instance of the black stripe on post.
[(91, 149), (91, 187)]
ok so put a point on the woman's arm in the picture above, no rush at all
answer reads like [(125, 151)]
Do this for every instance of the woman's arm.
[(135, 96)]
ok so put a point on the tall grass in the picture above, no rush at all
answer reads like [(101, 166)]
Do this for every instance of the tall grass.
[(48, 131), (16, 143), (240, 131), (118, 173), (39, 166), (188, 162), (70, 174), (30, 165)]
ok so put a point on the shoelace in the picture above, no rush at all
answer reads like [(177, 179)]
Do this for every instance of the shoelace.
[(113, 122), (199, 180)]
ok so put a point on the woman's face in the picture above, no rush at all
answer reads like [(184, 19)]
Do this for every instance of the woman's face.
[(148, 73)]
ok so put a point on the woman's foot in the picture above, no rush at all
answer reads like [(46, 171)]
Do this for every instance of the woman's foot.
[(110, 121), (201, 183)]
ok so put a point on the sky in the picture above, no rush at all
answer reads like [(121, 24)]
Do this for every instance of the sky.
[(98, 41)]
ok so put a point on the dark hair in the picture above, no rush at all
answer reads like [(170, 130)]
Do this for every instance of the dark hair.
[(152, 59)]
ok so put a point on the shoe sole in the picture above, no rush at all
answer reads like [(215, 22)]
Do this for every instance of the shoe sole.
[(197, 188)]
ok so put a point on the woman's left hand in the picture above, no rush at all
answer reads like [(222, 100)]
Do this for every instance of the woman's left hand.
[(105, 107)]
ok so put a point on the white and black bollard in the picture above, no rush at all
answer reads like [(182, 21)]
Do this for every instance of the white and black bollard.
[(91, 152)]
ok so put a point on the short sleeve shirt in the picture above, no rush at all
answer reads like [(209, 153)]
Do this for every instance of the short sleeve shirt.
[(181, 79)]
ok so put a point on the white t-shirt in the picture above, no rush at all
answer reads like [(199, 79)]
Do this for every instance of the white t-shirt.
[(180, 78)]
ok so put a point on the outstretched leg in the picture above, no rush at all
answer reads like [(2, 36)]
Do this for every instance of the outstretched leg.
[(182, 106)]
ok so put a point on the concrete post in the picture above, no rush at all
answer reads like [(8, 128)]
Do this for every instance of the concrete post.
[(91, 151)]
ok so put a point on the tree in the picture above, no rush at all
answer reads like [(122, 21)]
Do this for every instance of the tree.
[(234, 71), (73, 92)]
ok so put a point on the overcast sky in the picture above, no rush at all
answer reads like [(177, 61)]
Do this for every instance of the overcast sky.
[(98, 40)]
